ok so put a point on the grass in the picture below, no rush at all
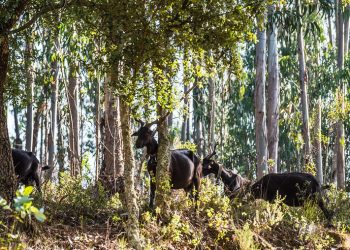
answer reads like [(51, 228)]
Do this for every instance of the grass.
[(85, 218)]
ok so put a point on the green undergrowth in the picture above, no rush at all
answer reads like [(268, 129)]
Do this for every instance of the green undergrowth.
[(81, 216)]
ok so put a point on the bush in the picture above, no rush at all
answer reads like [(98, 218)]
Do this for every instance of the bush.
[(22, 212)]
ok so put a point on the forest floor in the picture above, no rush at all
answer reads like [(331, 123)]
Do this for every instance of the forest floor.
[(78, 219)]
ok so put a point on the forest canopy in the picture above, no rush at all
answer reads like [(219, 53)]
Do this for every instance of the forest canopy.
[(107, 107)]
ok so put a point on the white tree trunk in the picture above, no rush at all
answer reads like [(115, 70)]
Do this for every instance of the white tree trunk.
[(30, 92), (53, 123), (73, 102), (340, 134), (303, 78), (318, 142), (273, 91), (260, 101), (211, 134)]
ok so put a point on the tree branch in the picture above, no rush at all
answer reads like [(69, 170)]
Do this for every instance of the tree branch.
[(43, 11)]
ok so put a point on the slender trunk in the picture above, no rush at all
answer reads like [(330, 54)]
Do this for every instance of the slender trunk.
[(330, 29), (334, 173), (346, 29), (54, 97), (97, 127), (60, 145), (73, 102), (318, 143), (203, 135), (303, 78), (8, 181), (211, 134), (30, 92), (260, 102), (273, 92), (197, 130), (18, 142), (133, 231), (185, 117), (340, 134), (38, 115)]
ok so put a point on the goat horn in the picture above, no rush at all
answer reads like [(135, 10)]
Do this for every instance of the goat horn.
[(140, 121), (212, 153), (159, 120)]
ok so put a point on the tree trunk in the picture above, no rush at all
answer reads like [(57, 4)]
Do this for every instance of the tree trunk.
[(132, 229), (211, 134), (30, 92), (18, 142), (38, 115), (185, 118), (113, 167), (260, 102), (73, 102), (60, 145), (163, 162), (318, 143), (340, 134), (330, 29), (273, 92), (346, 29), (303, 78), (52, 129), (197, 126), (97, 127), (8, 181)]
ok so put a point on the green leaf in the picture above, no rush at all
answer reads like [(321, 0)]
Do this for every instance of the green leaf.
[(39, 215), (28, 190)]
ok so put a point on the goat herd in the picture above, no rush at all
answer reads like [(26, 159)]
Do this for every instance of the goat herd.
[(186, 170)]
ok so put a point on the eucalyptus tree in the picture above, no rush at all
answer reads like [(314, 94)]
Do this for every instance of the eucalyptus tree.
[(260, 99), (273, 90), (11, 13), (29, 89), (340, 135), (303, 79)]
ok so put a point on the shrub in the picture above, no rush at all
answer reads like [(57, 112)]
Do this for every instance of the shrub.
[(22, 212)]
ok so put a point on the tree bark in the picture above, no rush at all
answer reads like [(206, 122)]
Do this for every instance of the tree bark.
[(8, 181), (197, 126), (18, 142), (340, 133), (346, 29), (60, 145), (318, 143), (185, 118), (211, 134), (303, 78), (273, 92), (97, 127), (52, 129), (28, 57), (260, 102), (36, 127), (73, 102), (163, 161), (113, 167), (133, 231), (330, 29)]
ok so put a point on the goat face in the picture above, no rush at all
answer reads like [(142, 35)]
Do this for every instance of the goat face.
[(144, 137)]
